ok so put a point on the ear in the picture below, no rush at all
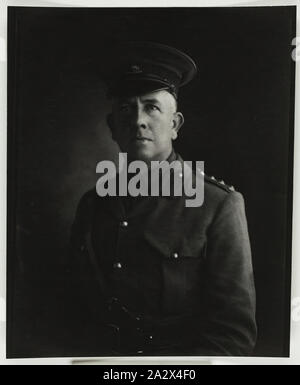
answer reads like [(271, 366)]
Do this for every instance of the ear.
[(110, 123), (178, 121)]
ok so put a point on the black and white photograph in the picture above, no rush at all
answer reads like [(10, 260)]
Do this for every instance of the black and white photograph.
[(150, 163)]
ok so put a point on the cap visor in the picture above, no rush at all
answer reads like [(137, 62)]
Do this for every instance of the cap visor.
[(135, 87)]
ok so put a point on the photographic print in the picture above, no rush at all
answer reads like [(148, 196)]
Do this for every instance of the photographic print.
[(150, 177)]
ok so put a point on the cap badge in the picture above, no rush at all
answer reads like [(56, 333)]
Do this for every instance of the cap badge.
[(135, 69)]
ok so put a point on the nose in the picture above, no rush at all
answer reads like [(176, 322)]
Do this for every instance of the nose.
[(140, 119)]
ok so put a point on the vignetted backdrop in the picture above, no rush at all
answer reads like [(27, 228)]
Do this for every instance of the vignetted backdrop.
[(238, 119)]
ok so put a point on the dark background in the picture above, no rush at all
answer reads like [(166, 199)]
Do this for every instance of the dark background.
[(238, 119)]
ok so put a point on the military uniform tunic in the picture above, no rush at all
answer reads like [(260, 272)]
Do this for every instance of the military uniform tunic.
[(186, 272)]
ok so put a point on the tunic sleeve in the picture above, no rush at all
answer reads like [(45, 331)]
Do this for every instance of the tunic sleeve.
[(230, 326)]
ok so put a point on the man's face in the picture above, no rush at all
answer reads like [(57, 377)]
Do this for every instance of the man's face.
[(144, 126)]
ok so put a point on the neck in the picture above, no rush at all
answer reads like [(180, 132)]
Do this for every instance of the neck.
[(169, 158)]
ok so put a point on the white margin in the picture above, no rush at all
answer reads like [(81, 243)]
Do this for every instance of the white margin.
[(295, 326)]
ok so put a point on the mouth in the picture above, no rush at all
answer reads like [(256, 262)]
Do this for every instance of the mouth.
[(142, 139)]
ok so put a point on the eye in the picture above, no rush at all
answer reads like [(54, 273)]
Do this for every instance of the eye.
[(152, 107), (124, 108)]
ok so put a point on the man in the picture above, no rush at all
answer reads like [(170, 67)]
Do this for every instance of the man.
[(155, 277)]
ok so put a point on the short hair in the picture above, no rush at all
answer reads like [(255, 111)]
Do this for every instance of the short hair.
[(174, 98)]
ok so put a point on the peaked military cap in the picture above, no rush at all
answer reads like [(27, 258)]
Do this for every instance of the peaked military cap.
[(135, 68)]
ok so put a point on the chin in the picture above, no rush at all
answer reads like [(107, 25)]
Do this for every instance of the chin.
[(144, 155)]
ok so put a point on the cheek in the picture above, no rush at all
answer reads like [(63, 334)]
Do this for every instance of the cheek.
[(123, 128), (162, 127), (166, 132)]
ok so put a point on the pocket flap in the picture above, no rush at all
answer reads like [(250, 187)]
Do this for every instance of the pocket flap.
[(192, 248), (181, 248)]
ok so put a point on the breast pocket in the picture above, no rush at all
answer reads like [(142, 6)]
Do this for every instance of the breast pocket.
[(182, 275)]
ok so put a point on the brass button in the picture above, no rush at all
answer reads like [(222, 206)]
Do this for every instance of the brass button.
[(117, 265), (124, 224)]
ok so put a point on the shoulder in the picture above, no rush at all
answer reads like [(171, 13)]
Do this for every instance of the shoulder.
[(220, 197), (211, 183), (215, 185), (216, 190), (86, 204), (88, 197), (220, 193), (226, 207)]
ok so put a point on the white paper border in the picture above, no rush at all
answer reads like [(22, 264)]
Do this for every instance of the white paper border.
[(295, 325)]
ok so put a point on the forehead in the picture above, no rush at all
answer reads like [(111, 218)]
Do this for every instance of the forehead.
[(160, 97)]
